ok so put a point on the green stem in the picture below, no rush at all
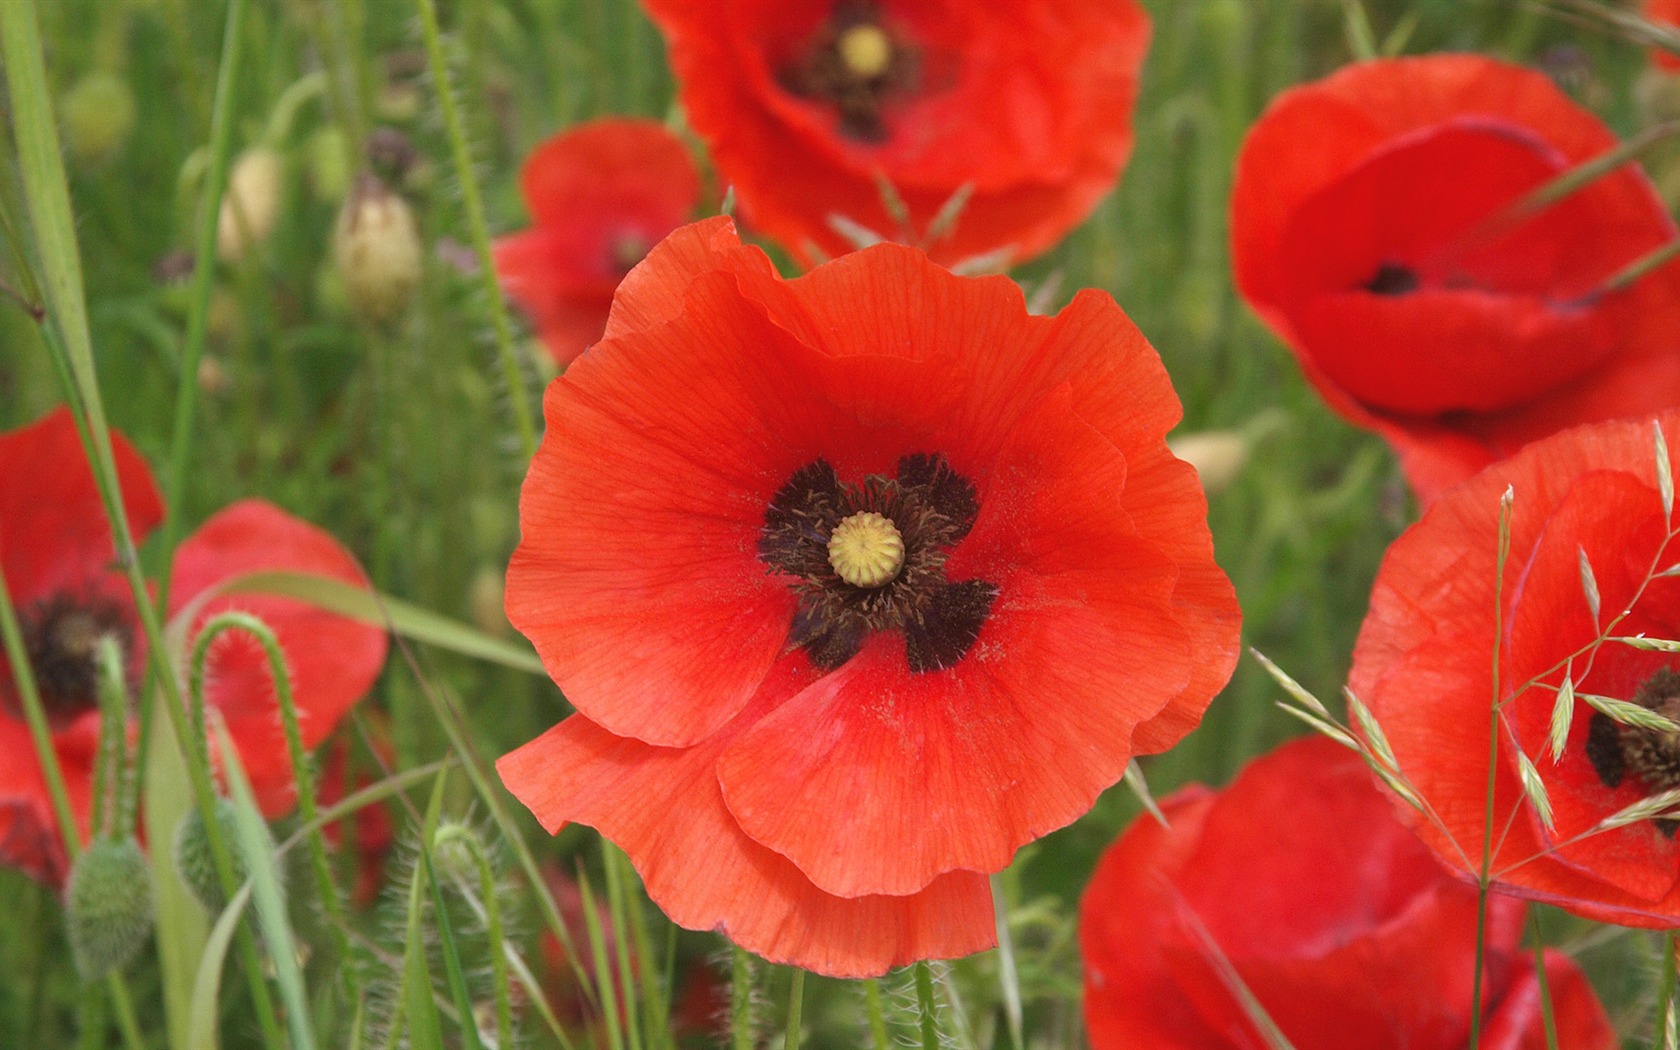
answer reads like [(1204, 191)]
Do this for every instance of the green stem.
[(1008, 977), (1483, 881), (877, 1016), (302, 774), (796, 1002), (478, 231), (1547, 1021), (40, 734), (463, 836), (1639, 267), (740, 996), (925, 1006), (1665, 993), (204, 267), (108, 769)]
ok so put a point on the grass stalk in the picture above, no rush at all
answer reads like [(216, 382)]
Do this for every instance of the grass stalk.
[(1483, 880), (796, 1003), (926, 1009), (204, 267), (479, 232), (740, 999)]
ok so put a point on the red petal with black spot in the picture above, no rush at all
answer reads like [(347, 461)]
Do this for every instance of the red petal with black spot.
[(1298, 880), (58, 557), (1371, 229), (806, 105), (600, 195), (846, 759), (1423, 664)]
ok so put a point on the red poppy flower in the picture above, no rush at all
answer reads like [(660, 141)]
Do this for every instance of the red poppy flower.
[(1335, 918), (808, 105), (1665, 13), (600, 194), (1368, 232), (858, 582), (371, 829), (1423, 664), (57, 553)]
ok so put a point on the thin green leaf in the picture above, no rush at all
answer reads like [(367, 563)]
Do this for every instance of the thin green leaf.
[(358, 603), (206, 992)]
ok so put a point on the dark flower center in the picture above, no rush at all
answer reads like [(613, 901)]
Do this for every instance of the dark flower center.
[(61, 634), (1392, 279), (871, 557), (854, 63), (1650, 756)]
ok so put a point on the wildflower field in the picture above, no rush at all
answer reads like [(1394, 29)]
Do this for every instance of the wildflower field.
[(840, 523)]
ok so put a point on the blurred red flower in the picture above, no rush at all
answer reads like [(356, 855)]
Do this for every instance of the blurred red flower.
[(1423, 664), (1367, 230), (372, 829), (858, 583), (808, 104), (57, 554), (1297, 879), (600, 194), (1666, 13)]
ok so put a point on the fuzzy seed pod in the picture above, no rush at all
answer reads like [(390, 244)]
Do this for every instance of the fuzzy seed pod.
[(98, 115), (197, 865), (251, 205), (377, 249), (452, 854), (108, 906)]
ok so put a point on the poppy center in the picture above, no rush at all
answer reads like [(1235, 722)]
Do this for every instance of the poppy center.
[(1650, 756), (1393, 279), (866, 550), (871, 557), (855, 64), (61, 634)]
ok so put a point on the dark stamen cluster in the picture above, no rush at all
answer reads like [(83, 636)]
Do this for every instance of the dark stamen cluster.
[(823, 73), (1651, 756), (61, 634), (1392, 279), (933, 507)]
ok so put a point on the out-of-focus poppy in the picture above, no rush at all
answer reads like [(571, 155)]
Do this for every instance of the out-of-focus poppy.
[(600, 195), (1665, 13), (57, 554), (1587, 505), (809, 105), (858, 583), (1374, 228), (1297, 886)]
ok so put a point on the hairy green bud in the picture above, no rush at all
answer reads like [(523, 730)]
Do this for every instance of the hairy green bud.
[(108, 906)]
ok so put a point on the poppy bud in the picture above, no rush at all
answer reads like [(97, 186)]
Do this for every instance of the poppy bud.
[(97, 114), (1217, 455), (195, 863), (108, 906), (377, 249), (452, 854), (251, 204), (484, 599)]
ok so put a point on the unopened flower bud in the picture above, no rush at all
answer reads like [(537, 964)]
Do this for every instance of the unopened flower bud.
[(453, 856), (251, 205), (195, 862), (98, 115), (108, 906), (485, 598), (377, 249), (1217, 455)]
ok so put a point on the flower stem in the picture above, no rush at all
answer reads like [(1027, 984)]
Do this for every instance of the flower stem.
[(512, 374), (877, 1017), (925, 1006), (1483, 880), (1008, 976), (204, 267), (740, 996), (796, 1002), (1547, 1020)]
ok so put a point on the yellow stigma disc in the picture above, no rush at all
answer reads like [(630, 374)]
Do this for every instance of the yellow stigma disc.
[(866, 50), (866, 550)]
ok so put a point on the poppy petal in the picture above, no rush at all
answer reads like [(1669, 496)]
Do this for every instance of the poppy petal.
[(664, 808)]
